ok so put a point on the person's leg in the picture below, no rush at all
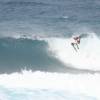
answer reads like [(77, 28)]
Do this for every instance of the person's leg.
[(77, 46), (73, 44)]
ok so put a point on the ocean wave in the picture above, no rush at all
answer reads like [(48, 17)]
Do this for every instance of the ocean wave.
[(49, 54)]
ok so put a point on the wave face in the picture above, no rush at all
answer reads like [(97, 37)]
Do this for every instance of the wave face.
[(18, 54)]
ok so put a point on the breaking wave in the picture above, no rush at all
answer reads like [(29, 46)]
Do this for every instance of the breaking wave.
[(87, 56)]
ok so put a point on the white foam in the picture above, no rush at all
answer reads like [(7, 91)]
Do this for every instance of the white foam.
[(87, 57), (86, 84)]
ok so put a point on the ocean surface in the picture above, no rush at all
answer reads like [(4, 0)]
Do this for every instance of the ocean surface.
[(37, 61)]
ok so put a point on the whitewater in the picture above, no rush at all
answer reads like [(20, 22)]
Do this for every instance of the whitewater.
[(87, 56), (81, 86)]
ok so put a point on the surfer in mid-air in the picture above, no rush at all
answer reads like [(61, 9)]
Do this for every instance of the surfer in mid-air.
[(76, 40), (75, 43)]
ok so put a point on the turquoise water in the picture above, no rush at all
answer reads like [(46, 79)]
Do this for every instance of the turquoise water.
[(24, 94)]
